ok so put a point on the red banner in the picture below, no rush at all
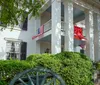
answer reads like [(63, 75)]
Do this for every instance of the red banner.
[(78, 33)]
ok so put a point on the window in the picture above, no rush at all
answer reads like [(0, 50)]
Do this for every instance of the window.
[(13, 49), (24, 26), (16, 49), (23, 50)]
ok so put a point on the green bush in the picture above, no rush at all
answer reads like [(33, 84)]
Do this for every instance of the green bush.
[(2, 82), (97, 66), (45, 60), (77, 68), (9, 68)]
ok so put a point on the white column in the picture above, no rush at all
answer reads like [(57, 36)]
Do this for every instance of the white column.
[(38, 47), (97, 37), (37, 26), (69, 29), (89, 34), (56, 27), (37, 23)]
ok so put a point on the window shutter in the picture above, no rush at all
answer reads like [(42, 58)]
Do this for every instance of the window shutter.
[(82, 51), (23, 50), (25, 25)]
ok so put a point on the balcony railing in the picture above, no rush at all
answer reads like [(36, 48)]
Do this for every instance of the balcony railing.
[(47, 26), (62, 26)]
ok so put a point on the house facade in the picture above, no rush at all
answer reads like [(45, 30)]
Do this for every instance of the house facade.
[(57, 20)]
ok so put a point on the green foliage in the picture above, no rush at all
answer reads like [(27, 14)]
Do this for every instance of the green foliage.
[(2, 82), (97, 66), (45, 60), (9, 68), (14, 11), (77, 68)]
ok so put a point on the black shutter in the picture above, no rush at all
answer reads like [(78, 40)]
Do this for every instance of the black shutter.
[(25, 25), (23, 50), (82, 51)]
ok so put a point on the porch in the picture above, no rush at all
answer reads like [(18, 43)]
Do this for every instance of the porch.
[(45, 45), (59, 21)]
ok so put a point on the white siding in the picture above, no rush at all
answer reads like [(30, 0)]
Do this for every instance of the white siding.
[(25, 36)]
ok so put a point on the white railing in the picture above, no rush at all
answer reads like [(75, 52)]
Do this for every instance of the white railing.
[(62, 26), (47, 26)]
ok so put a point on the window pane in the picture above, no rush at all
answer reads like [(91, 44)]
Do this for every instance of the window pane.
[(13, 49)]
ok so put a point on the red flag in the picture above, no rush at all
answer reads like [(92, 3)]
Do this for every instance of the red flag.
[(34, 37), (78, 33), (41, 31)]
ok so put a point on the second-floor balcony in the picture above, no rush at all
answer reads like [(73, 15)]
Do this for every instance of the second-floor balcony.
[(48, 26)]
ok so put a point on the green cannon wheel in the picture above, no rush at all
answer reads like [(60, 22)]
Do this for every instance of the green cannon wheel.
[(37, 76)]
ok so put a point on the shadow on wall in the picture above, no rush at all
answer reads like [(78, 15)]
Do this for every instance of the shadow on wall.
[(2, 53)]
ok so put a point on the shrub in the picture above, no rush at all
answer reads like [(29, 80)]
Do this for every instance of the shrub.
[(45, 60), (2, 82), (97, 66), (9, 68), (77, 68)]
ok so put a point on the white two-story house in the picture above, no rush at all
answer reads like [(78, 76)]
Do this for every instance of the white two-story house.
[(58, 19)]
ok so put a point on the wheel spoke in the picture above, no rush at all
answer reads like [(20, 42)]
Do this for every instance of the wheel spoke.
[(33, 74), (51, 81), (22, 81), (37, 79), (54, 81), (43, 80), (30, 79)]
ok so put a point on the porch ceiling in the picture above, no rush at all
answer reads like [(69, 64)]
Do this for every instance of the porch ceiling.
[(46, 39), (77, 12)]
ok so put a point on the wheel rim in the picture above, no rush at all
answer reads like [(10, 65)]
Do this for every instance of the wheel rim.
[(37, 76)]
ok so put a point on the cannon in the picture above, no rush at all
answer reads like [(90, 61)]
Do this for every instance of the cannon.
[(37, 76)]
